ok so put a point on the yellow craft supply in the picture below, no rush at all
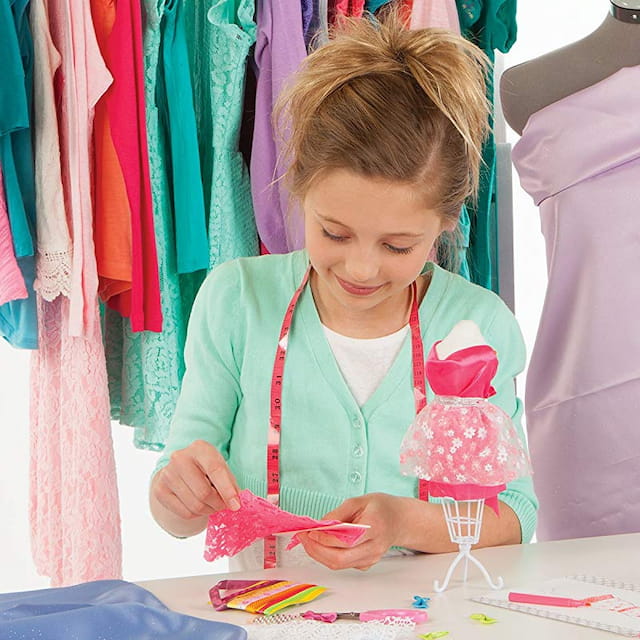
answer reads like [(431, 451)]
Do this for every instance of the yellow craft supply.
[(434, 635), (483, 618)]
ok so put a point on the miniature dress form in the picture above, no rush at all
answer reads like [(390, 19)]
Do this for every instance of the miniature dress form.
[(464, 448)]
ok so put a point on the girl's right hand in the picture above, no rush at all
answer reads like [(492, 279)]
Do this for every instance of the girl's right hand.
[(196, 482)]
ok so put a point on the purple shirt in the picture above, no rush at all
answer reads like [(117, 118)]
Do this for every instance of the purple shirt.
[(279, 50), (579, 159)]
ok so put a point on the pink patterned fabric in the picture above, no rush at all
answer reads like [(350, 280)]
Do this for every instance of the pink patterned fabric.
[(461, 442), (229, 532), (74, 511), (441, 14), (12, 285)]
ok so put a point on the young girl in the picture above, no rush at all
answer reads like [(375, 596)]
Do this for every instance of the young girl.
[(387, 126)]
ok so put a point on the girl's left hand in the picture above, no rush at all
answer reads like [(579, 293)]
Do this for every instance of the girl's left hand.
[(385, 514)]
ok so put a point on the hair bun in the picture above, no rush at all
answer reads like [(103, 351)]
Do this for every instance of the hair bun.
[(391, 103)]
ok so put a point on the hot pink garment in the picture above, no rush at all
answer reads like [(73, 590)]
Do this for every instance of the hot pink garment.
[(126, 107), (441, 14), (466, 373), (229, 532), (464, 446), (12, 285), (340, 8), (579, 159), (74, 510), (348, 8)]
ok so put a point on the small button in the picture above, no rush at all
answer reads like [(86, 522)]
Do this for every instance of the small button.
[(357, 422), (355, 476), (358, 451)]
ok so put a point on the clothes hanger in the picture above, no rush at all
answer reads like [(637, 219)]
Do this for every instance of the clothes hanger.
[(322, 36)]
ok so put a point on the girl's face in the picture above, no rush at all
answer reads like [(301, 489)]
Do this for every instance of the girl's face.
[(368, 239)]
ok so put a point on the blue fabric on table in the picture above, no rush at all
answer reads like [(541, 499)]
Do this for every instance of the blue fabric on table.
[(105, 609)]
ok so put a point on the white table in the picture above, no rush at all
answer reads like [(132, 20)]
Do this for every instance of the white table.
[(393, 582)]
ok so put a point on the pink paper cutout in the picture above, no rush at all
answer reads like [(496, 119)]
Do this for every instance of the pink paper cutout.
[(229, 532)]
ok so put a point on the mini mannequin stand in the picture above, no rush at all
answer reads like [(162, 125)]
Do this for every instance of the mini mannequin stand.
[(464, 520), (463, 448)]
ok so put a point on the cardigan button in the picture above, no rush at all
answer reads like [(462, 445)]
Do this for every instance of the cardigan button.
[(358, 451), (357, 422), (355, 476)]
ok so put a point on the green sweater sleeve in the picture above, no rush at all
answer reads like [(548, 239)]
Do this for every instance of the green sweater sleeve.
[(504, 335), (210, 392)]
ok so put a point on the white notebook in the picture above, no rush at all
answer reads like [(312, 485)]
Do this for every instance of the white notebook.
[(620, 614)]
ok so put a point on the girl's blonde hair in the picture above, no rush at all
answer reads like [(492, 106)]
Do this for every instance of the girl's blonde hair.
[(386, 102)]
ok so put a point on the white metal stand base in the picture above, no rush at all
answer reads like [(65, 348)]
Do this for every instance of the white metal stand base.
[(465, 552), (464, 519)]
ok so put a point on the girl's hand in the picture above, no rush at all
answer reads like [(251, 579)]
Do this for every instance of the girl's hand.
[(386, 516), (195, 483)]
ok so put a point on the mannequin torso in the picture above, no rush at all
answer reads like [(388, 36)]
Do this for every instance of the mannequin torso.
[(528, 87)]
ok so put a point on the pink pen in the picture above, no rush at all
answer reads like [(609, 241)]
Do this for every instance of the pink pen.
[(415, 615), (554, 601)]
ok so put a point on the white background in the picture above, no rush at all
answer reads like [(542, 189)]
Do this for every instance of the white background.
[(543, 25)]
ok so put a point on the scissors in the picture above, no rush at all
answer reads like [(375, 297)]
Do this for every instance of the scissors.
[(415, 615)]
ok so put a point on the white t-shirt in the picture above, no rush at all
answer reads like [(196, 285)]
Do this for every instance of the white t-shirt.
[(364, 362)]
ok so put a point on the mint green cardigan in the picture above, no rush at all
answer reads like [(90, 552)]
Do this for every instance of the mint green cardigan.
[(331, 449)]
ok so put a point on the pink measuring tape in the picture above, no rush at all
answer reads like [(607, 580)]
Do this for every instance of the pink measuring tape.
[(275, 411)]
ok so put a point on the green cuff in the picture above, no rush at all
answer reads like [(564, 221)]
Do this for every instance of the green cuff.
[(525, 510)]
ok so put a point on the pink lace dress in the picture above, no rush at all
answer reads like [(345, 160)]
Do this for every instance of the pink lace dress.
[(74, 510)]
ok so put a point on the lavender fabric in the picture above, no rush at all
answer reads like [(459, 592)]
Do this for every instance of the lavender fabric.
[(280, 48), (579, 159)]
